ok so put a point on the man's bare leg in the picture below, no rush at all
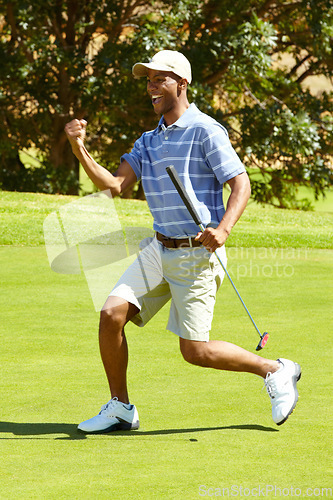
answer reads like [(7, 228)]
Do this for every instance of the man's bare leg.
[(115, 314), (280, 376), (225, 356)]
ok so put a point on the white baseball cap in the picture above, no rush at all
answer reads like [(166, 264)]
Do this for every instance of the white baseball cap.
[(165, 60)]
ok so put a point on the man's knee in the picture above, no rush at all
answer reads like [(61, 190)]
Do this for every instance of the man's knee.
[(194, 352), (116, 313), (112, 317)]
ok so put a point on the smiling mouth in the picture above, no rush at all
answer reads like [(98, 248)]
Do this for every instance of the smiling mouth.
[(156, 99)]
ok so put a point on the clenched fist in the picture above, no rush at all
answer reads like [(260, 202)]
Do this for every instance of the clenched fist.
[(76, 132)]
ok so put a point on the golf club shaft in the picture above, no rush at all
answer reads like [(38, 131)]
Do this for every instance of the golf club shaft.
[(195, 216), (234, 286)]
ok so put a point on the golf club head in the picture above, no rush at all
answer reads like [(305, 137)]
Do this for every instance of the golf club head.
[(263, 341)]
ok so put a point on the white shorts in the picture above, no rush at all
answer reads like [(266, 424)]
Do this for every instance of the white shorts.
[(189, 276)]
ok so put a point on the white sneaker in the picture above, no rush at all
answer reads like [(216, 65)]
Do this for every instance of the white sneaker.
[(114, 416), (281, 387)]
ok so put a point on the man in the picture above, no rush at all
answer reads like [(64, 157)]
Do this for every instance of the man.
[(179, 263)]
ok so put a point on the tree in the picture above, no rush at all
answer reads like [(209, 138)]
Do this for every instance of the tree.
[(62, 59), (70, 58), (282, 132)]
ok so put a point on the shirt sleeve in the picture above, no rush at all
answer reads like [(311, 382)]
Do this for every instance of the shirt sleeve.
[(134, 158), (220, 155)]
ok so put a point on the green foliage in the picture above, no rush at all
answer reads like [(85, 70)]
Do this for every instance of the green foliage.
[(281, 131), (62, 60), (16, 176)]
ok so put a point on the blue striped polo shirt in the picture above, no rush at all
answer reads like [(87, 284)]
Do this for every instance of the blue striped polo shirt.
[(199, 148)]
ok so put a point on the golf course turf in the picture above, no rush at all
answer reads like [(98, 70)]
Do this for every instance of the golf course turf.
[(203, 433)]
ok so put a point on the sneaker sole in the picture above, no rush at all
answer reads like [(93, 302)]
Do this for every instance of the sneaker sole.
[(121, 426), (296, 378)]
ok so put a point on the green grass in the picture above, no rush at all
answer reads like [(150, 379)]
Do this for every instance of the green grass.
[(323, 204), (23, 214), (199, 427)]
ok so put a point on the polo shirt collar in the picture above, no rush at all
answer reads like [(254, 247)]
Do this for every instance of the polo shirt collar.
[(185, 120)]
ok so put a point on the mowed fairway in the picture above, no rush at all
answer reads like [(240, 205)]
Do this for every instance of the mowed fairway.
[(203, 433)]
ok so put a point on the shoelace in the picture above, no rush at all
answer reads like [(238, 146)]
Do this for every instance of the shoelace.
[(270, 386), (108, 404)]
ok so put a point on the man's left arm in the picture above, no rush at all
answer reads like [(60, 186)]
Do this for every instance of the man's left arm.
[(240, 193)]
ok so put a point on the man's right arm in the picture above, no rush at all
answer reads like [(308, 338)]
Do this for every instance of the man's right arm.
[(123, 178)]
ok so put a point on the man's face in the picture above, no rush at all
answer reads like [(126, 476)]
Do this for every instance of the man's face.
[(162, 86)]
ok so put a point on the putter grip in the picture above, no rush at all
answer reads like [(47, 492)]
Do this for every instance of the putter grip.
[(173, 174)]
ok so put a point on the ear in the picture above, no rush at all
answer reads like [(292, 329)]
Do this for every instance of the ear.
[(182, 84)]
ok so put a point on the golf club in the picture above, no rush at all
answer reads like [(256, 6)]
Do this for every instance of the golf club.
[(173, 174)]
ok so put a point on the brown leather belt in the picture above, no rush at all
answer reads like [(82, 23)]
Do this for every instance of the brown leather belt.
[(177, 243)]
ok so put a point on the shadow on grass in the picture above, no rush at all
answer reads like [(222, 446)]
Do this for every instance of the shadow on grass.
[(32, 430)]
